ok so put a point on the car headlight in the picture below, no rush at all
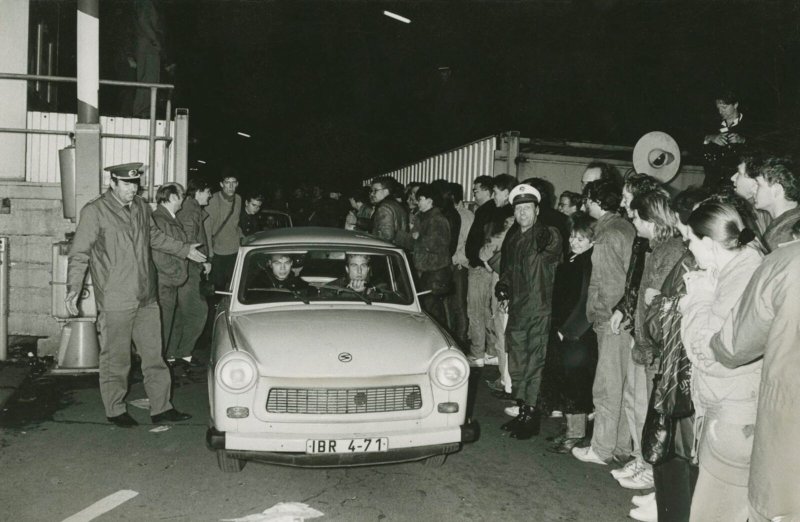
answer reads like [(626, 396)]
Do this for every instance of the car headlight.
[(450, 371), (236, 372)]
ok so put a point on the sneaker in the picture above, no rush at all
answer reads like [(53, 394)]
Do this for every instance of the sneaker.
[(628, 470), (491, 360), (642, 479), (641, 500), (476, 362), (646, 513), (556, 414), (590, 417), (512, 411), (587, 454)]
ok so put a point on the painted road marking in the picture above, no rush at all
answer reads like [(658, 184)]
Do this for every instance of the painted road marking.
[(102, 506)]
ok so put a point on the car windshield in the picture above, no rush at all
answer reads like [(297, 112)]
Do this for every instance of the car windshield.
[(308, 275)]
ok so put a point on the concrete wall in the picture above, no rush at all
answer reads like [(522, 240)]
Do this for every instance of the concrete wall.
[(34, 223), (14, 16)]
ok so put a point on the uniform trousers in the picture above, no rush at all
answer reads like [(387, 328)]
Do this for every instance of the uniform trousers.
[(117, 329), (526, 344), (611, 436), (183, 315)]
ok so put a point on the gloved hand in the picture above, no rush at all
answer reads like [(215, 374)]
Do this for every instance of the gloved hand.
[(502, 292)]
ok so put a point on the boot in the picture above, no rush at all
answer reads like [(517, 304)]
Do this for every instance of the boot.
[(510, 425), (529, 425)]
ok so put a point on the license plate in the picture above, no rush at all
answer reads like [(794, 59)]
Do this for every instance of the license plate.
[(347, 445)]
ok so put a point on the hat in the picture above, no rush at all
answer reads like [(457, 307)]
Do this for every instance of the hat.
[(126, 171), (657, 154), (524, 194)]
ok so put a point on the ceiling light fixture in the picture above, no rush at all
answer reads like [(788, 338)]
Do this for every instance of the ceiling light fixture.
[(201, 161), (243, 135), (397, 17)]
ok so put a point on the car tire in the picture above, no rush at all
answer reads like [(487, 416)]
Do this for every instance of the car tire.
[(227, 463), (435, 461)]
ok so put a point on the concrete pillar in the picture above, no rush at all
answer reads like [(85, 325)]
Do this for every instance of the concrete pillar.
[(513, 152), (88, 181), (14, 21)]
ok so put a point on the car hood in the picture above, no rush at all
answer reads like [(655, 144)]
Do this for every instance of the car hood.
[(312, 343)]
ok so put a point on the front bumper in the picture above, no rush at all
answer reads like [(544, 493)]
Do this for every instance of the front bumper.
[(217, 440)]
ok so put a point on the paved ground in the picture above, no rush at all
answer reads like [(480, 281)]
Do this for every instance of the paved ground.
[(58, 455)]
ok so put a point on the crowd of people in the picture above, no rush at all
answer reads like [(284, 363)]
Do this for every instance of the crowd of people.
[(661, 329)]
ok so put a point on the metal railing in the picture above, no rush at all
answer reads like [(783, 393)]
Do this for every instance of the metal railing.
[(151, 137)]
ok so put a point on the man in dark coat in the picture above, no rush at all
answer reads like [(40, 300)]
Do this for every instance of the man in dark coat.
[(390, 219)]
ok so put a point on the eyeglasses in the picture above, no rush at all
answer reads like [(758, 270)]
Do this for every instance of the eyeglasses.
[(373, 191)]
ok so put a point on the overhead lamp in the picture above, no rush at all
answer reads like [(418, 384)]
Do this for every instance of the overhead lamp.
[(397, 17), (243, 134), (201, 161)]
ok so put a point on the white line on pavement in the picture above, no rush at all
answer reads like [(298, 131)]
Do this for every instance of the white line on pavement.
[(102, 506)]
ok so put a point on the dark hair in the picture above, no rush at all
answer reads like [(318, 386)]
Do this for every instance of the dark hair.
[(608, 172), (746, 211), (361, 195), (457, 192), (387, 182), (254, 197), (607, 194), (727, 96), (430, 192), (654, 207), (195, 185), (640, 183), (504, 182), (686, 200), (783, 171), (721, 222), (545, 188), (583, 224), (574, 198), (484, 181), (752, 159), (166, 191)]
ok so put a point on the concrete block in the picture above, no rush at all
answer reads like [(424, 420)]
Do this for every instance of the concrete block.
[(40, 325), (36, 249), (35, 217), (48, 345), (30, 275), (33, 300)]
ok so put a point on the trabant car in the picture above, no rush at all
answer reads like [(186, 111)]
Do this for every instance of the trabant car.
[(322, 357)]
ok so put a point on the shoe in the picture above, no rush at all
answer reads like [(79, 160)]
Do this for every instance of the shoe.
[(197, 363), (642, 479), (491, 360), (556, 414), (628, 470), (123, 421), (590, 417), (171, 415), (510, 425), (512, 411), (476, 362), (564, 447), (641, 500), (502, 395), (646, 513), (495, 385), (529, 425), (587, 454)]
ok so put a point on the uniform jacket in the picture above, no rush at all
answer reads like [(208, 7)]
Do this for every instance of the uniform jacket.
[(431, 248), (172, 270), (115, 246), (390, 222), (192, 218), (528, 270), (226, 240), (765, 324), (780, 229), (610, 259)]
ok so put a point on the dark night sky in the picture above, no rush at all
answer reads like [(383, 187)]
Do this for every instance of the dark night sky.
[(336, 91)]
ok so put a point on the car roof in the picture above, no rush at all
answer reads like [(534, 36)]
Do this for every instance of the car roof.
[(322, 235)]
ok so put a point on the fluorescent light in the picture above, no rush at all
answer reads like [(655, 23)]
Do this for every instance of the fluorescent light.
[(201, 161), (397, 17), (243, 135)]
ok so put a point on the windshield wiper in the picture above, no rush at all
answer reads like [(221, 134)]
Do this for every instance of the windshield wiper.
[(295, 293), (360, 295)]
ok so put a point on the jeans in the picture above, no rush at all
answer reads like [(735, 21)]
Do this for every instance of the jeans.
[(455, 306), (635, 396), (674, 480), (611, 432), (479, 310)]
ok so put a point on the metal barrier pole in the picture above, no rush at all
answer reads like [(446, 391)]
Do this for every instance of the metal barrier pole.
[(151, 148), (3, 298), (167, 128)]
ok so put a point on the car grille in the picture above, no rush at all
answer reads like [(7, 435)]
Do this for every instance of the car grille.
[(338, 401)]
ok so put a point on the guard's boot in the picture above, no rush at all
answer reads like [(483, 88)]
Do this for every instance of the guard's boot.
[(510, 425), (529, 425)]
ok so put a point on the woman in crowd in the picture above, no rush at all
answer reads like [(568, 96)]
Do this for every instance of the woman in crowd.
[(431, 252), (725, 399), (570, 373)]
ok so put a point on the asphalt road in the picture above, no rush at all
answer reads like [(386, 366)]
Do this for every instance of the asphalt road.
[(58, 456)]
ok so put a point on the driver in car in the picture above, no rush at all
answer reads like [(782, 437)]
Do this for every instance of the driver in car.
[(280, 274), (357, 277)]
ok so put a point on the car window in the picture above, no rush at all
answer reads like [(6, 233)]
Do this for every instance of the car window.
[(271, 220), (324, 274)]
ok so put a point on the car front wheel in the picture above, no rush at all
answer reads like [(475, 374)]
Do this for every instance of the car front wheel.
[(227, 463)]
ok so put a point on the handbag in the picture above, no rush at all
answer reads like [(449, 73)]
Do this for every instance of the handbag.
[(658, 430)]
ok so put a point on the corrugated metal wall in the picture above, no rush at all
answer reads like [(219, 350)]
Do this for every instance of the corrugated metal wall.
[(461, 165), (41, 164)]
